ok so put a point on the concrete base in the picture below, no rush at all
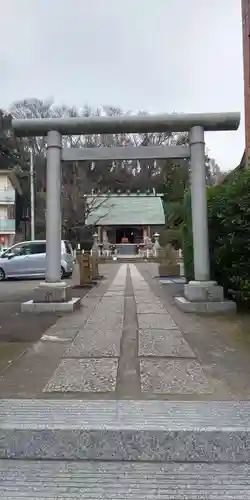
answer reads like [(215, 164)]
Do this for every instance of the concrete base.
[(169, 280), (52, 292), (204, 297), (39, 307), (203, 291), (210, 307)]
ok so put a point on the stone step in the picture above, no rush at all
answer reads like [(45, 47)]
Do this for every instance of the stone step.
[(63, 480), (163, 431)]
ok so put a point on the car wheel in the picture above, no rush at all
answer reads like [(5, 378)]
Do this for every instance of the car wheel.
[(62, 272), (2, 274)]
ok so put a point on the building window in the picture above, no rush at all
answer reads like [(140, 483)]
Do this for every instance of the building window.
[(11, 212)]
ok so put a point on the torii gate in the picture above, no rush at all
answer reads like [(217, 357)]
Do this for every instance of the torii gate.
[(54, 293)]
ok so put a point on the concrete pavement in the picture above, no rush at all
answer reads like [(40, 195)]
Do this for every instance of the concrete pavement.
[(14, 288), (19, 331)]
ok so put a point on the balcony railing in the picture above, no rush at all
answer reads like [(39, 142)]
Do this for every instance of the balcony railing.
[(7, 225), (7, 195)]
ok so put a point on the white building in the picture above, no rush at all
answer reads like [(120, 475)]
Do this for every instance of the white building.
[(9, 185)]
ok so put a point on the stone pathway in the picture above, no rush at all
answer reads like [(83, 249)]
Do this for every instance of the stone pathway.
[(129, 341), (76, 424), (167, 363), (91, 362), (130, 348)]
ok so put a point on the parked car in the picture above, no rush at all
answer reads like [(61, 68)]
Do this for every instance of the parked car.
[(3, 250), (28, 260)]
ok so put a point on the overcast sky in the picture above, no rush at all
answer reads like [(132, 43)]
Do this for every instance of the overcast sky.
[(155, 55)]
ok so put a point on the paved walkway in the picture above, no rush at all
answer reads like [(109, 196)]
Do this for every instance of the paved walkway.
[(124, 343), (130, 342)]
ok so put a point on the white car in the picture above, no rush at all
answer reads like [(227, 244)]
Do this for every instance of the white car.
[(28, 260)]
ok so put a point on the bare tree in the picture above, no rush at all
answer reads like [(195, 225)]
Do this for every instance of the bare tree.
[(81, 178), (11, 149)]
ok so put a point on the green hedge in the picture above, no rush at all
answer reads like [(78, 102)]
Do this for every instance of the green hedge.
[(229, 235)]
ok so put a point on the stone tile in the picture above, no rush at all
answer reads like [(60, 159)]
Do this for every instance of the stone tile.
[(173, 377), (142, 293), (155, 321), (117, 299), (111, 305), (96, 343), (125, 431), (152, 307), (107, 319), (101, 479), (164, 343), (114, 309), (116, 289), (147, 298), (141, 288), (84, 375)]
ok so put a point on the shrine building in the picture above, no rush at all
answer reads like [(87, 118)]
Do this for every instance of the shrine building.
[(125, 219)]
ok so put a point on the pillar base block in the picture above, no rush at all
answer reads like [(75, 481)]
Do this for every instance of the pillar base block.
[(52, 297), (204, 297), (202, 291), (52, 292), (206, 307), (39, 307)]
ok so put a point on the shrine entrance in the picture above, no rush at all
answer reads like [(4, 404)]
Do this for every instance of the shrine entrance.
[(131, 235), (202, 289)]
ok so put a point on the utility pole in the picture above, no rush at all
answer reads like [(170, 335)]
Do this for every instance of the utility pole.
[(32, 197)]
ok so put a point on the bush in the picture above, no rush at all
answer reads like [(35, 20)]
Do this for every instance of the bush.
[(229, 235)]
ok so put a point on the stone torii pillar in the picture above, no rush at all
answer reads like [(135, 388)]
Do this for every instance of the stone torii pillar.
[(199, 204), (53, 293), (53, 210), (202, 294)]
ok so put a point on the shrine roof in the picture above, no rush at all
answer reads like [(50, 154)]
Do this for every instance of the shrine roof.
[(125, 209)]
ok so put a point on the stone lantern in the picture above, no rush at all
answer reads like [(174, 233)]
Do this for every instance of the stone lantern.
[(95, 247), (157, 246)]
